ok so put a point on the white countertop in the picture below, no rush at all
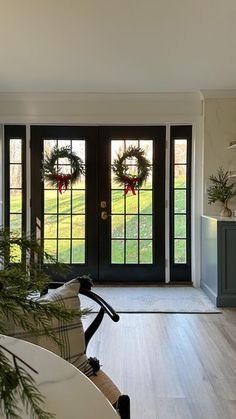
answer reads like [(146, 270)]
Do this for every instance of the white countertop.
[(219, 218), (69, 394)]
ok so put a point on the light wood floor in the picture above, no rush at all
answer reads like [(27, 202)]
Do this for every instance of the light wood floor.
[(173, 366)]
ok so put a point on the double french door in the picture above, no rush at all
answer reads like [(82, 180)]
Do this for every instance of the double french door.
[(94, 226)]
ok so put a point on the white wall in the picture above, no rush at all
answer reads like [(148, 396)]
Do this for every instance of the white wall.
[(219, 131)]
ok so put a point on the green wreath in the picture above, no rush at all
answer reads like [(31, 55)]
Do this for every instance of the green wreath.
[(54, 176), (120, 168)]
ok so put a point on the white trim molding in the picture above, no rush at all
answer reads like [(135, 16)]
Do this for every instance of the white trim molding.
[(218, 94), (96, 109)]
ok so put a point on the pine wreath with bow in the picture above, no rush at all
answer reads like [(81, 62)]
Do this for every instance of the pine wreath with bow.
[(51, 169), (120, 168)]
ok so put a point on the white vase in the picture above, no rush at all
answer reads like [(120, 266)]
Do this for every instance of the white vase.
[(225, 212)]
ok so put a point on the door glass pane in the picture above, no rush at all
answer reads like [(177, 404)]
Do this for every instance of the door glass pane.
[(64, 247), (131, 142), (64, 226), (78, 251), (117, 251), (117, 222), (180, 251), (128, 221), (132, 251), (180, 176), (117, 147), (117, 202), (15, 200), (50, 247), (145, 248), (131, 226), (50, 230), (180, 226), (78, 202), (180, 201), (48, 146), (145, 200), (15, 175), (180, 151), (114, 183), (50, 201), (64, 168), (15, 150), (65, 214), (79, 184), (148, 183), (15, 253), (16, 223), (65, 202), (132, 202), (145, 226), (78, 147), (147, 145), (78, 226), (64, 143)]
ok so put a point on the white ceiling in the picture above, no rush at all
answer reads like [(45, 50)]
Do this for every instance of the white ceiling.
[(117, 45)]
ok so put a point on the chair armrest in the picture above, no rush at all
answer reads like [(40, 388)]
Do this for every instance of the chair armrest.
[(90, 294), (104, 308), (103, 304)]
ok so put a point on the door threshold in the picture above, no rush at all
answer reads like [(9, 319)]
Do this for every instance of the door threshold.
[(143, 284)]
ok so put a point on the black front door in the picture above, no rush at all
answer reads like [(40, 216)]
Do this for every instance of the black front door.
[(93, 226), (67, 222), (132, 233)]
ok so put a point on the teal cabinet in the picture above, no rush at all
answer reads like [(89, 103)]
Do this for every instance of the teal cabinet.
[(218, 260)]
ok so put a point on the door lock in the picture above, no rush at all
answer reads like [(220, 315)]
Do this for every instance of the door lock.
[(104, 215), (103, 204)]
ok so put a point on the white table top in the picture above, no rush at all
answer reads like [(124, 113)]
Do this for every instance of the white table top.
[(68, 393)]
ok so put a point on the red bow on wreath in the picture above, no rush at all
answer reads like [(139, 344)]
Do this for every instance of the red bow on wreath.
[(62, 181), (131, 183)]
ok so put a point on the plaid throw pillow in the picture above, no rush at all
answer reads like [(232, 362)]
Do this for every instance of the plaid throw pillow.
[(71, 334)]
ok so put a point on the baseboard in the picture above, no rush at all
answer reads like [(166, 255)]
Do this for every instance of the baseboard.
[(226, 301), (208, 291)]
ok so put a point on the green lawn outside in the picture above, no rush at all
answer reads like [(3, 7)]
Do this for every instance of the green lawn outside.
[(117, 223)]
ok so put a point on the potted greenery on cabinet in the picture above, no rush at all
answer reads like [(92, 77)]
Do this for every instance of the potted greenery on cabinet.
[(221, 190)]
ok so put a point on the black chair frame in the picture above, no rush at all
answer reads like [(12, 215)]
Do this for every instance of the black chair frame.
[(123, 403)]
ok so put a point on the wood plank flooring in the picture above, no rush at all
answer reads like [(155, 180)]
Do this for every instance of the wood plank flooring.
[(173, 366)]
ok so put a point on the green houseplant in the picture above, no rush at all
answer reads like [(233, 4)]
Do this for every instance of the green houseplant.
[(221, 190), (21, 275)]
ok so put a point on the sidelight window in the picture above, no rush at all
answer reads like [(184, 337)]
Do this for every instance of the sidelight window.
[(15, 167), (180, 201)]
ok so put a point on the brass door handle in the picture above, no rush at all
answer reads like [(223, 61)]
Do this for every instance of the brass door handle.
[(104, 215)]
